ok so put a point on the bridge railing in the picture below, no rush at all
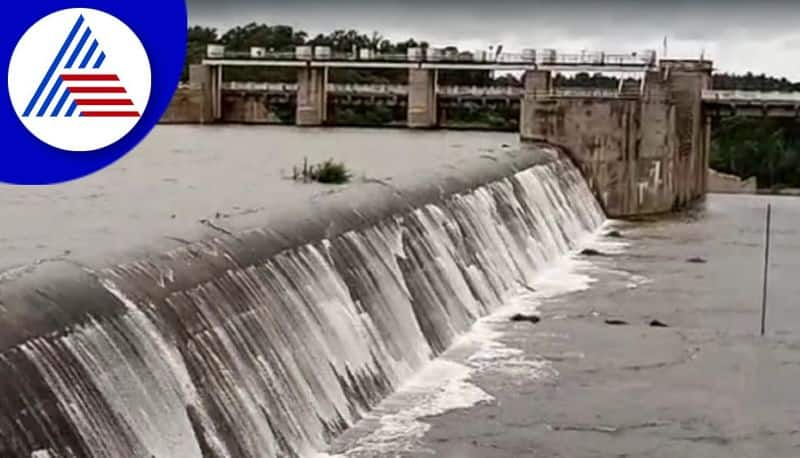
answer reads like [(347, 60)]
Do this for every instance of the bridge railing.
[(481, 91), (389, 89), (589, 93), (448, 91), (751, 96), (430, 55)]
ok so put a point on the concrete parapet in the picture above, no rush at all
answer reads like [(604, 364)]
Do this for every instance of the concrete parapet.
[(422, 98)]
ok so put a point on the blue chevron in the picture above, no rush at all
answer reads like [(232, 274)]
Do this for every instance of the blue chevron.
[(80, 57)]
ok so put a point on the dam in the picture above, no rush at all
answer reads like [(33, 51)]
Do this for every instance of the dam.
[(453, 299), (273, 324)]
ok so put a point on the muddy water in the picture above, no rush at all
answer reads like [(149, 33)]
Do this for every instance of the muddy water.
[(573, 386)]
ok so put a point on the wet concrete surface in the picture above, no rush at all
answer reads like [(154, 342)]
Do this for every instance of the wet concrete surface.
[(705, 386)]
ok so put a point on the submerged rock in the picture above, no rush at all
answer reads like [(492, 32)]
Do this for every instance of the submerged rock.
[(617, 322), (591, 252), (614, 234), (658, 324), (522, 317), (696, 260)]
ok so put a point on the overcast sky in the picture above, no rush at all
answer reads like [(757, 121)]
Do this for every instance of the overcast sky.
[(740, 36)]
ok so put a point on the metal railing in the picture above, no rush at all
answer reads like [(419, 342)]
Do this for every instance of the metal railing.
[(589, 93), (452, 91), (751, 96), (540, 57), (388, 89)]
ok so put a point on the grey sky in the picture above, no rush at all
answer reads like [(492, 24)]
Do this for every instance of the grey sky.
[(757, 36)]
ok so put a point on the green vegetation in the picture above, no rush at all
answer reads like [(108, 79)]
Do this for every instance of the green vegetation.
[(470, 114), (328, 172), (366, 115), (768, 149)]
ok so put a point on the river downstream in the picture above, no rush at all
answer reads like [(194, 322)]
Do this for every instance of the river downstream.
[(707, 385)]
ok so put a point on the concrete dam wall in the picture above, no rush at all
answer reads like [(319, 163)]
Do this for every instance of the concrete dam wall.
[(273, 340)]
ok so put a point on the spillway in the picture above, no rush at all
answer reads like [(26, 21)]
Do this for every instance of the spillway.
[(259, 344)]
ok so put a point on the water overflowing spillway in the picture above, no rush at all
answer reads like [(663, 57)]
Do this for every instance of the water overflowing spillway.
[(228, 348)]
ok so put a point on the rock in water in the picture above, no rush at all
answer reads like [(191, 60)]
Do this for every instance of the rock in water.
[(616, 322), (696, 260), (590, 252), (658, 324), (529, 318), (614, 234)]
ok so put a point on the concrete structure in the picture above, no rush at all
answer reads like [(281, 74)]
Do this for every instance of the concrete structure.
[(422, 98), (724, 183), (644, 148), (313, 65), (312, 101), (642, 153), (752, 103), (195, 103)]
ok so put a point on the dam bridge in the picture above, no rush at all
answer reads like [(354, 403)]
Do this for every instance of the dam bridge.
[(644, 147)]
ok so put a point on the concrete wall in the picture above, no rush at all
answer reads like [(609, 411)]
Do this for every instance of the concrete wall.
[(194, 103), (312, 108), (247, 108), (187, 107), (724, 183), (422, 98), (641, 154)]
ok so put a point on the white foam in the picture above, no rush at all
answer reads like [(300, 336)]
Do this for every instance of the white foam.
[(442, 386)]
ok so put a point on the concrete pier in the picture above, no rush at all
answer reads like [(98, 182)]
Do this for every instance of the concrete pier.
[(422, 98), (644, 152), (536, 83), (312, 100), (193, 104)]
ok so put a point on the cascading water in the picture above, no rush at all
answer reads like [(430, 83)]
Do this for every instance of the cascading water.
[(276, 356)]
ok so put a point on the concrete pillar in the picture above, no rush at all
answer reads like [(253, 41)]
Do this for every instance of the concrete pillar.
[(422, 98), (686, 80), (537, 84), (707, 152), (312, 96), (203, 79)]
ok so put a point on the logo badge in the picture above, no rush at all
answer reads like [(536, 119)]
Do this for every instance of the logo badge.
[(79, 79)]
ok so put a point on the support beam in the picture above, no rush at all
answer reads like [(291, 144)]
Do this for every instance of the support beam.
[(422, 98), (312, 96)]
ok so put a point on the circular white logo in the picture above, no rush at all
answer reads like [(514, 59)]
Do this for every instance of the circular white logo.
[(79, 79)]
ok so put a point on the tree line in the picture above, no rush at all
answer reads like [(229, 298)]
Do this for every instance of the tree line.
[(768, 149)]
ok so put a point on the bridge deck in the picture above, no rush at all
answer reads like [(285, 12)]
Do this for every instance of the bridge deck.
[(753, 97), (507, 61)]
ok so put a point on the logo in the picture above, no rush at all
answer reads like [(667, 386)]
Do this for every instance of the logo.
[(85, 85), (79, 79)]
